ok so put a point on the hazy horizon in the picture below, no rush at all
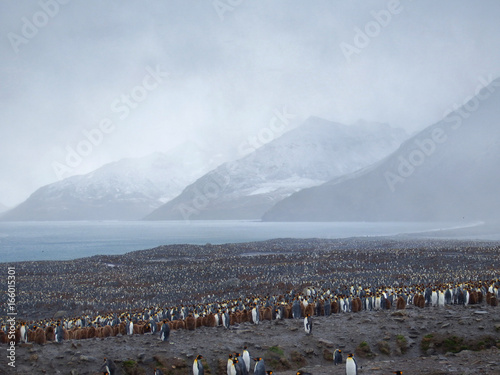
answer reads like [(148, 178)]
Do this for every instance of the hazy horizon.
[(136, 78)]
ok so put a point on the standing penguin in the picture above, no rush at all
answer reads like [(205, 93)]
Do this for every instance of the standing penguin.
[(260, 367), (198, 366), (158, 372), (225, 320), (337, 357), (351, 367), (230, 366), (308, 324), (246, 358), (108, 367), (164, 331), (238, 366), (130, 327), (24, 332), (255, 314), (59, 334)]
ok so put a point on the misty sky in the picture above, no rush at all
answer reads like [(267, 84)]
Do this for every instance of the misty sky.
[(215, 73)]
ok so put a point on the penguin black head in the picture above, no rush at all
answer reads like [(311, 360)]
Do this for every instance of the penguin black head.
[(398, 372)]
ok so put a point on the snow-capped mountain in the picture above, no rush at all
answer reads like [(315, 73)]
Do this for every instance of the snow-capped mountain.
[(448, 171), (124, 190), (306, 156)]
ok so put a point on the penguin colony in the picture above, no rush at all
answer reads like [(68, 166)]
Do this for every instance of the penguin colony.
[(290, 305), (186, 274)]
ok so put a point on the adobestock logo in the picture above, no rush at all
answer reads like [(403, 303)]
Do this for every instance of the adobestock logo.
[(122, 106), (223, 6), (426, 146), (31, 26), (219, 179), (372, 29)]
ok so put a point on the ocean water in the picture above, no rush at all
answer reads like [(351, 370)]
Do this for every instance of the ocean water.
[(20, 241)]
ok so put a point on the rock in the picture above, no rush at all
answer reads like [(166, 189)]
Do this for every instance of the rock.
[(85, 358), (399, 313), (328, 355), (327, 343), (480, 312), (445, 325)]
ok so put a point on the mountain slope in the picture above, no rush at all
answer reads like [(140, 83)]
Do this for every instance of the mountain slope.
[(124, 190), (449, 171), (309, 155)]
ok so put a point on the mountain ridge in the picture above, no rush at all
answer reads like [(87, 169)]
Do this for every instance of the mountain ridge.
[(444, 172), (307, 155)]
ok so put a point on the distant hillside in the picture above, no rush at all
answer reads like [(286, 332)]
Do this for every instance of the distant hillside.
[(309, 155), (124, 190), (449, 171)]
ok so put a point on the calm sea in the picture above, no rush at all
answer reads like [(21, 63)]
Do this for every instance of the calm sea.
[(21, 241)]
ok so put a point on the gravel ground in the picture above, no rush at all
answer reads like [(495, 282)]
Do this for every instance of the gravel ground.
[(394, 339)]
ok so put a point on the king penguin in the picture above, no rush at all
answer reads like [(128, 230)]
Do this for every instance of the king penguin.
[(231, 370), (351, 367), (108, 367), (59, 334), (238, 366), (24, 333), (198, 366), (246, 358), (337, 357), (308, 324), (164, 331), (225, 320), (260, 367)]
